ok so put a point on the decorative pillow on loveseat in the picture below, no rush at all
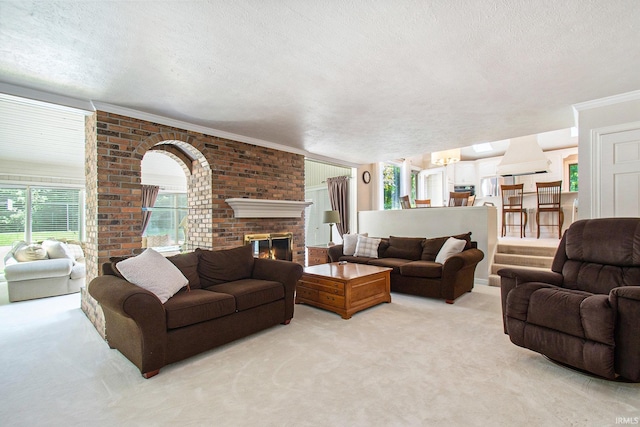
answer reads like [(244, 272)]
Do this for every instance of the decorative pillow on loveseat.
[(404, 248), (153, 272), (367, 247), (34, 252), (451, 247), (431, 247), (225, 265), (349, 242)]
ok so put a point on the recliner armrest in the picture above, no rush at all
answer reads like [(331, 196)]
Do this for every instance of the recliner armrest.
[(626, 302), (521, 275)]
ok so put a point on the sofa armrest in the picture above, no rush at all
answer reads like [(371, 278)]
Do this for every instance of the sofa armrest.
[(40, 269), (335, 252), (285, 272), (626, 301), (135, 321), (512, 277), (458, 273)]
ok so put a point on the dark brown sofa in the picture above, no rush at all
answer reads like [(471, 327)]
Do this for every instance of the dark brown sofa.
[(585, 312), (415, 271), (231, 295)]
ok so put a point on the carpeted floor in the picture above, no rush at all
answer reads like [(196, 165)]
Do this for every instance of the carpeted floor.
[(414, 362)]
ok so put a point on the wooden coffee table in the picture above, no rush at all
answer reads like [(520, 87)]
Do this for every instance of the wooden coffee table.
[(344, 288)]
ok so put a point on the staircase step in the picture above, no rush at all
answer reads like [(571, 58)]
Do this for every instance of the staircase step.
[(527, 250), (494, 280), (524, 260), (495, 267)]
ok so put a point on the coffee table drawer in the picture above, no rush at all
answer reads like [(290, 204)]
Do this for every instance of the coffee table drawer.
[(306, 293), (332, 300), (323, 285)]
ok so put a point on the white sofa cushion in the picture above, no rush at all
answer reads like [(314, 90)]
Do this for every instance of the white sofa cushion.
[(39, 269), (349, 242)]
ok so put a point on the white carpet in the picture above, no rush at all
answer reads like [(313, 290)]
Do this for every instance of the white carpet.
[(414, 362)]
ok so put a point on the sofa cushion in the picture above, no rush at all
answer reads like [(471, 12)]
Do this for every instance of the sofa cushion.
[(367, 247), (356, 259), (349, 242), (188, 265), (225, 265), (251, 293), (394, 263), (153, 272), (186, 308), (431, 247), (57, 249), (451, 247), (404, 247), (33, 252), (428, 269)]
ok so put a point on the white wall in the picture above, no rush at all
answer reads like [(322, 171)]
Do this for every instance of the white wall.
[(597, 118)]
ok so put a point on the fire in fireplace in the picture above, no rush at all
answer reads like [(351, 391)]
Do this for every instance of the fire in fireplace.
[(271, 245)]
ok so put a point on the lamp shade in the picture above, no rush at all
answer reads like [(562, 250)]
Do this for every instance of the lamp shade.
[(331, 217)]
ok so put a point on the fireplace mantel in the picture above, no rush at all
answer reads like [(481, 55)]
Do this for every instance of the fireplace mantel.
[(262, 208)]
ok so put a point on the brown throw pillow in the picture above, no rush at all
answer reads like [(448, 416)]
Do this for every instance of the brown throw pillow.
[(404, 248), (222, 266), (188, 265), (431, 247)]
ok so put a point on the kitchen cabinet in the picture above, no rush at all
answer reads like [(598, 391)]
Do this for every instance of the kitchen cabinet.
[(465, 173)]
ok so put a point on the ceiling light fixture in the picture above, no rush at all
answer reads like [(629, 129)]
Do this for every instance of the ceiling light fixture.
[(443, 158)]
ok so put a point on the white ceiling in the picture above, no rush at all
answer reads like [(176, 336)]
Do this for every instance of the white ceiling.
[(356, 80)]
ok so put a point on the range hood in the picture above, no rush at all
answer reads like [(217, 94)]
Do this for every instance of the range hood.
[(523, 157)]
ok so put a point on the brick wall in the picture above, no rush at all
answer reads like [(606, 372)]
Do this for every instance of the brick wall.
[(223, 169)]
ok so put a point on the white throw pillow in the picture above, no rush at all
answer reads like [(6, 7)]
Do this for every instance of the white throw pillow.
[(451, 247), (349, 242), (33, 252), (367, 246), (153, 272), (57, 249)]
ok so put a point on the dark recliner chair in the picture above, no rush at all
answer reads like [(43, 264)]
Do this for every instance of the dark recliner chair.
[(585, 312)]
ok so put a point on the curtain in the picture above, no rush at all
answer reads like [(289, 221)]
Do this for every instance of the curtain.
[(149, 196), (339, 198)]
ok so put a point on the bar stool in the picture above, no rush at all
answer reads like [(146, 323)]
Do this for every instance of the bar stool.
[(459, 198), (512, 204), (405, 202), (549, 202), (423, 203)]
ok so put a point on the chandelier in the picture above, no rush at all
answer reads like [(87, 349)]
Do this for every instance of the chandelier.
[(443, 158)]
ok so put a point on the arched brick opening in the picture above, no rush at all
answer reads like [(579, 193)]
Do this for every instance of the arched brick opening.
[(199, 188)]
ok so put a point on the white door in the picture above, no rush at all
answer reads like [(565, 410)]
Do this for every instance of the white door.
[(620, 174)]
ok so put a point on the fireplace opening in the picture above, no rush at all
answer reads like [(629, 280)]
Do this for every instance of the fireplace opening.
[(271, 245)]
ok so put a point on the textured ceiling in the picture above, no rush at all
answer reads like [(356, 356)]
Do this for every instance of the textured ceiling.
[(357, 80)]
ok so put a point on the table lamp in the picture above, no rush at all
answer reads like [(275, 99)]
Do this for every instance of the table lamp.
[(331, 217)]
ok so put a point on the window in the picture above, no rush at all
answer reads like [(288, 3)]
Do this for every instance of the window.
[(414, 184), (165, 225), (35, 214), (391, 182), (573, 177)]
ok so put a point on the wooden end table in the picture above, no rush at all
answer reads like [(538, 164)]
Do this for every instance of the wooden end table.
[(344, 288)]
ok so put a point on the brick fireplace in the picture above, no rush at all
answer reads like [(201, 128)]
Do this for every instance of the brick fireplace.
[(271, 245), (221, 169)]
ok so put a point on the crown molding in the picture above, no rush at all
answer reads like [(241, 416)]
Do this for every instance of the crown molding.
[(50, 99), (609, 100)]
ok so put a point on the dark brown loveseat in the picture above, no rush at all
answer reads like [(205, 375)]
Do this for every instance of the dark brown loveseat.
[(231, 295), (415, 271), (585, 312)]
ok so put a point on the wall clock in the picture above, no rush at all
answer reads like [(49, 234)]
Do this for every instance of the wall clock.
[(366, 177)]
